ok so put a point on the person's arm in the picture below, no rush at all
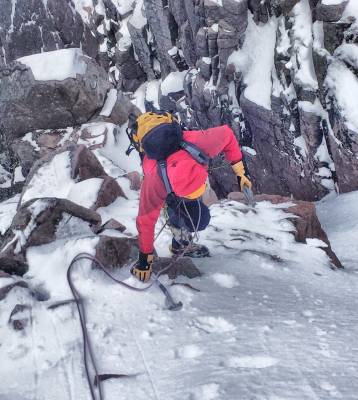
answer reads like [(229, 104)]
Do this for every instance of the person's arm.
[(221, 139), (152, 198)]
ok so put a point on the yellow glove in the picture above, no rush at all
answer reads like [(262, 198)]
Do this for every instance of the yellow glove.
[(242, 176), (142, 270)]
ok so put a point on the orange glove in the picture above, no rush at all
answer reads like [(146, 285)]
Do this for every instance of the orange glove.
[(242, 175), (142, 270)]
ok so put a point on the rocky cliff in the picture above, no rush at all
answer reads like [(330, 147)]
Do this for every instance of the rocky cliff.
[(281, 73)]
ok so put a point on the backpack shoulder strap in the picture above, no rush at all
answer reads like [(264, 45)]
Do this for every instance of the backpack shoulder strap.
[(162, 170), (200, 156)]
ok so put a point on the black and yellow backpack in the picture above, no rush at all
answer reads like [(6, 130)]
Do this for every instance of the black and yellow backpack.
[(158, 135)]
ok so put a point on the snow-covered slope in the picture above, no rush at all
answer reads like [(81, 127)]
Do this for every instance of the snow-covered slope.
[(271, 320)]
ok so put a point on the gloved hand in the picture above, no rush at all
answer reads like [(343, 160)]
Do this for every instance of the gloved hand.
[(142, 269), (242, 176)]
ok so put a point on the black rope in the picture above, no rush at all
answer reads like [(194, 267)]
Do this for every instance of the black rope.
[(81, 311)]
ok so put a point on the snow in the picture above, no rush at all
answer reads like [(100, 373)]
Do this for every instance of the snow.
[(56, 65), (138, 20), (85, 193), (343, 85), (173, 83), (256, 61), (109, 103), (51, 180), (7, 212), (339, 218), (218, 2), (350, 11), (284, 333), (85, 8), (302, 31), (115, 147), (332, 2), (348, 52), (18, 176), (271, 321), (251, 362), (152, 93)]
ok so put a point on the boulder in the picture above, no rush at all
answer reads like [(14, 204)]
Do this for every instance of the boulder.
[(330, 12), (50, 91), (181, 267), (135, 180), (42, 221), (108, 193), (116, 252), (305, 221)]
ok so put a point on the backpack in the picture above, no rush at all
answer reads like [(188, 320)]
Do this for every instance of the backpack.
[(158, 135)]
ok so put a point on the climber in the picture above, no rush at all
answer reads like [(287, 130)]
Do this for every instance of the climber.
[(175, 167)]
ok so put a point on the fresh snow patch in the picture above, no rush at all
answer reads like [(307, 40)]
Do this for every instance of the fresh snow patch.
[(85, 8), (343, 85), (28, 138), (251, 362), (225, 280), (348, 52), (173, 83), (109, 103), (256, 61), (302, 59), (218, 2), (51, 180), (85, 193), (249, 150), (7, 212), (138, 20), (56, 65), (332, 2), (209, 391), (214, 324), (316, 243), (152, 93), (18, 176), (190, 351)]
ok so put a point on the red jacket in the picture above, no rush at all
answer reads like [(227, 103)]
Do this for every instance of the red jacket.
[(212, 141)]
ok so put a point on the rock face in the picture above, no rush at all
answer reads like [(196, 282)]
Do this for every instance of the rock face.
[(36, 26), (306, 222), (32, 99), (276, 71)]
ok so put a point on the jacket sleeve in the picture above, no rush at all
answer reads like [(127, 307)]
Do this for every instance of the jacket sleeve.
[(152, 198), (217, 140)]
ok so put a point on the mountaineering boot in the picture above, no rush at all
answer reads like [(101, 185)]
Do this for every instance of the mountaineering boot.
[(189, 249), (142, 269)]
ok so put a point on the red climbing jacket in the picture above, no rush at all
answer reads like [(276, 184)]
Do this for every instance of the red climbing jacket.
[(181, 168)]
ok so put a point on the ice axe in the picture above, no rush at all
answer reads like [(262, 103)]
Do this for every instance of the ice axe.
[(170, 303), (249, 196)]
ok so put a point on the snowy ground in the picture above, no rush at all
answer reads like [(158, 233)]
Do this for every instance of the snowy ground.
[(271, 320)]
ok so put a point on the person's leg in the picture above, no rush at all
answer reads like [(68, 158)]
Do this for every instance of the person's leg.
[(189, 217)]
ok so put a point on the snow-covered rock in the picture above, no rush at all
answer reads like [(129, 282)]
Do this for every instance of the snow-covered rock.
[(51, 90)]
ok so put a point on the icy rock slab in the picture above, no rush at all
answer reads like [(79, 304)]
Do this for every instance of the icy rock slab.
[(307, 225)]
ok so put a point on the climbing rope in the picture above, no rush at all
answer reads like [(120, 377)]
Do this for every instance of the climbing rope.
[(87, 347)]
